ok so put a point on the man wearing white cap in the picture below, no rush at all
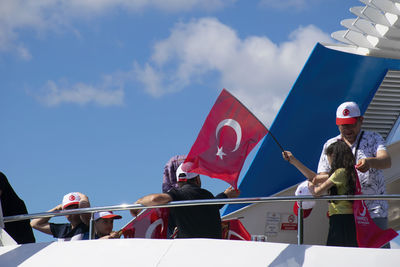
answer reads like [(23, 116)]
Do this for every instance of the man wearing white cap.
[(371, 157), (78, 226), (191, 221)]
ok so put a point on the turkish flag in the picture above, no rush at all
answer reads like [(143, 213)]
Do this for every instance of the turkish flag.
[(234, 230), (228, 135), (152, 223), (369, 235)]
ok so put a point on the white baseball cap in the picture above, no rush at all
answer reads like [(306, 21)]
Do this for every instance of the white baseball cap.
[(182, 176), (302, 190), (105, 215), (347, 113), (71, 199)]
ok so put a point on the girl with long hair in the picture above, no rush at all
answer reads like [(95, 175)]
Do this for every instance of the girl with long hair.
[(340, 181)]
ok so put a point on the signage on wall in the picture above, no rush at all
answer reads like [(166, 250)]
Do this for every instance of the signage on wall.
[(289, 222)]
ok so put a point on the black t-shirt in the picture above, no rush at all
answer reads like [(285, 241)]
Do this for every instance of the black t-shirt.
[(195, 221), (64, 231)]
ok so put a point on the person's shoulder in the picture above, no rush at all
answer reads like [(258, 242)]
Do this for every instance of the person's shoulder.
[(340, 171), (194, 188), (371, 134), (329, 142), (332, 140), (174, 193), (172, 190), (373, 138), (338, 175), (206, 192)]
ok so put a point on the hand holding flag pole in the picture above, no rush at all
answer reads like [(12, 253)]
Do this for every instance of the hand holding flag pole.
[(228, 135)]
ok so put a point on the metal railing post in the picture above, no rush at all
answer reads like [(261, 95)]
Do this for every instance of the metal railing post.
[(300, 223), (91, 227)]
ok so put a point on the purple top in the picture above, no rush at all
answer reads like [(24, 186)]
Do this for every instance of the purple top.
[(169, 178)]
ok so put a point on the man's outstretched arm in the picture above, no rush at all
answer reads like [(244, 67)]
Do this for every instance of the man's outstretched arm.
[(151, 200)]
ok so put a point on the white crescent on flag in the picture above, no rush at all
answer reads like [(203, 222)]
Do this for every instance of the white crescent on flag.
[(364, 209), (238, 130), (153, 226)]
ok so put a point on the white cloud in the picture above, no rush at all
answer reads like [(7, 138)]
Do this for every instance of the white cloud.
[(81, 93), (150, 78), (256, 70), (44, 15)]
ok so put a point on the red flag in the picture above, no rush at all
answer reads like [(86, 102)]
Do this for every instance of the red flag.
[(234, 230), (369, 235), (228, 135), (152, 223)]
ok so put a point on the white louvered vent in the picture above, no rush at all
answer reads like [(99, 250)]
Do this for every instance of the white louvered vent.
[(384, 110), (375, 31)]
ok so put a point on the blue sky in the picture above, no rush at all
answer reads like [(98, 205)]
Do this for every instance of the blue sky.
[(96, 96)]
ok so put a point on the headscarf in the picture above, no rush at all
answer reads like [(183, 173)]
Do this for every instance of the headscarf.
[(169, 178)]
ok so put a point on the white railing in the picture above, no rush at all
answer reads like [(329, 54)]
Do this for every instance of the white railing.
[(250, 200)]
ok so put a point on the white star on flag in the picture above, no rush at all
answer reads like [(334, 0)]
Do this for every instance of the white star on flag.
[(220, 153)]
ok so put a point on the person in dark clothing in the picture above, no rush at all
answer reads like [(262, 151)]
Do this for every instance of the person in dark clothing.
[(193, 221), (11, 204), (170, 182)]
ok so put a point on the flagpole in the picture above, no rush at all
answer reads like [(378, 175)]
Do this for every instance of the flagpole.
[(276, 141), (268, 131)]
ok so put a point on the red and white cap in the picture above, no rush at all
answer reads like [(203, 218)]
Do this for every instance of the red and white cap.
[(69, 199), (302, 190), (105, 215), (347, 113), (182, 176)]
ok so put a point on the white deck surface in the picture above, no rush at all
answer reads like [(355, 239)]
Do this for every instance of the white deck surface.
[(190, 252)]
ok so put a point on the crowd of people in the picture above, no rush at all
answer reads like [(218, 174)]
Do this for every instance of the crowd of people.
[(184, 222), (353, 154)]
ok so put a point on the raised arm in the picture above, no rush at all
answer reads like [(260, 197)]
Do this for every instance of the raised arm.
[(84, 203), (42, 224), (309, 174)]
